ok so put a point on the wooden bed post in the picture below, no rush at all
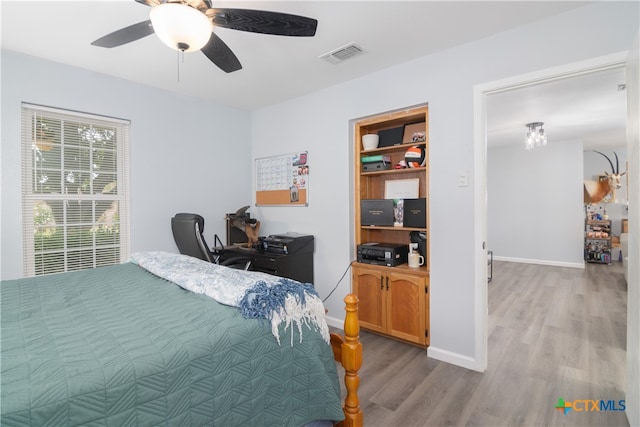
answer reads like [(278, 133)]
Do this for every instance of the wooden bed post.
[(348, 352)]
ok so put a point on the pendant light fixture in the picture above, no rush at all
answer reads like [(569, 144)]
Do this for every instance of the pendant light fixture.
[(535, 136)]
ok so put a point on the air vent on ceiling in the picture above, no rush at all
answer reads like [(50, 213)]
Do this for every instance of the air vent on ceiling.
[(342, 53)]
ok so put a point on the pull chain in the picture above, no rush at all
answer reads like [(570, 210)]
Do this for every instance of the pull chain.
[(181, 48), (178, 64)]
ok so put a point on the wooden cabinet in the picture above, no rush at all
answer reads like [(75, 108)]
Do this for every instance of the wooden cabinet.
[(368, 286), (393, 300)]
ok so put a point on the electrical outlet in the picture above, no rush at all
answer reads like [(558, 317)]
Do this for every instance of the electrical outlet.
[(463, 179)]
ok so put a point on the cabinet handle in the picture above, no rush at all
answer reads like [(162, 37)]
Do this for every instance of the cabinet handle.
[(381, 283), (387, 282)]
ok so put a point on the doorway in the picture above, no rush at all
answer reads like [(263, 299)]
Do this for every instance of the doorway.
[(534, 196), (481, 92)]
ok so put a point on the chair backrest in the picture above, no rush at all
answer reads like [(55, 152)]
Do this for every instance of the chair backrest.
[(187, 231)]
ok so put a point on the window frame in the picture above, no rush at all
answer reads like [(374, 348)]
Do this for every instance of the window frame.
[(30, 197)]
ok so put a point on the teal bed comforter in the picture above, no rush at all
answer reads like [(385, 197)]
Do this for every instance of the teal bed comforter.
[(119, 346)]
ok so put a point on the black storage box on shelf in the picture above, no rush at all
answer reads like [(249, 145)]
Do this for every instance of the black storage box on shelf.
[(376, 212), (389, 137), (375, 163), (415, 213), (376, 166)]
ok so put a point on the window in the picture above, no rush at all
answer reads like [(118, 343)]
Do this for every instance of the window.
[(74, 190)]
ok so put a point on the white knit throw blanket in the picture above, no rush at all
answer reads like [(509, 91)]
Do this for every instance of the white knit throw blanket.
[(251, 291)]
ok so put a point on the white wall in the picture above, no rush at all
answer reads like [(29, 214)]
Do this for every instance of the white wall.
[(187, 155), (534, 204), (320, 122)]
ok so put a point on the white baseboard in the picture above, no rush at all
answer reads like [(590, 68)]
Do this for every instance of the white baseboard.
[(453, 358), (435, 353), (540, 262), (335, 322)]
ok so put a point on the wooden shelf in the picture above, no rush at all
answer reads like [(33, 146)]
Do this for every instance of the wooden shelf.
[(382, 150), (394, 301), (383, 227), (402, 268), (392, 171)]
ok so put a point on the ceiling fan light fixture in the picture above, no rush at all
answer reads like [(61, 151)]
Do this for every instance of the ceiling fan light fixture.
[(181, 27)]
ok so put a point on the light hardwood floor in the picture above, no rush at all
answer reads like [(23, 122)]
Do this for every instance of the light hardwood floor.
[(553, 333)]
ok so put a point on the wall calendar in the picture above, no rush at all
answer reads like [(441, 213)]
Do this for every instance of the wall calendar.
[(283, 180)]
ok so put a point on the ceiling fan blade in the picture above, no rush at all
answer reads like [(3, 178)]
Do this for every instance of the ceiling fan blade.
[(219, 53), (125, 35), (264, 22)]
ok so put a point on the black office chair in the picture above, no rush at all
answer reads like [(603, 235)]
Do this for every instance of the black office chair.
[(188, 234)]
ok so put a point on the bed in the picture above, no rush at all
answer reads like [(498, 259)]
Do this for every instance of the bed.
[(121, 345)]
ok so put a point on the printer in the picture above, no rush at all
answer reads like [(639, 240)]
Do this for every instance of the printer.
[(389, 254), (288, 243)]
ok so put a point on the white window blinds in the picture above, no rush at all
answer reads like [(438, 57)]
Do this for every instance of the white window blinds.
[(75, 190)]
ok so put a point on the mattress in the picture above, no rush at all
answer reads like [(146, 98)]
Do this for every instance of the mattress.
[(119, 346)]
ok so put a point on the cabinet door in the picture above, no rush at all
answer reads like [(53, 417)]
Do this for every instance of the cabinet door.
[(368, 286), (406, 302)]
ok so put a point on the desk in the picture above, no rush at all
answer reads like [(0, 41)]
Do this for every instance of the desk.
[(296, 266)]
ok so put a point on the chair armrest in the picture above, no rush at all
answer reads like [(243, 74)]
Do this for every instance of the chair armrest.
[(239, 262)]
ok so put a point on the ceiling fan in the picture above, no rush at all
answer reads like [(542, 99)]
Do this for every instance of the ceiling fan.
[(187, 25)]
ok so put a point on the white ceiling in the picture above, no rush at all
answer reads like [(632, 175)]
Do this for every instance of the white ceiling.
[(590, 107), (279, 68)]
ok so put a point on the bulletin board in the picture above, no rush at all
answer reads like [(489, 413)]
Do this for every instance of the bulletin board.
[(283, 180)]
